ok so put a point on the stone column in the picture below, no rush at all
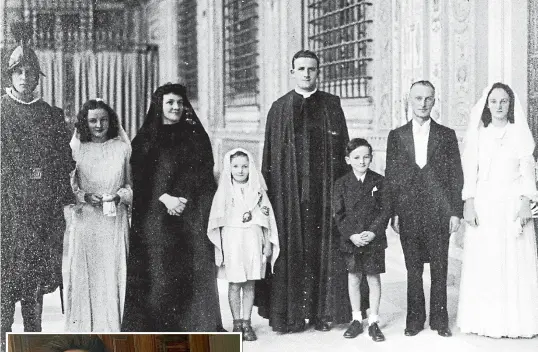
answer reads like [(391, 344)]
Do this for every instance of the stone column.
[(163, 31), (507, 44)]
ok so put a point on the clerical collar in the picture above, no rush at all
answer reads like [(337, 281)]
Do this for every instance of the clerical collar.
[(12, 96), (305, 94)]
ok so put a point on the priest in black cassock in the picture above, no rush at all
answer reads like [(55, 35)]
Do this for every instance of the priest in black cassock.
[(304, 153)]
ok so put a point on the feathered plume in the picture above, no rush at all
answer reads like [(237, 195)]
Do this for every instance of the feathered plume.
[(22, 32)]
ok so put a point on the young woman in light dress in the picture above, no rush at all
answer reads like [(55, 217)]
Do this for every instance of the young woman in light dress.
[(96, 240), (499, 279)]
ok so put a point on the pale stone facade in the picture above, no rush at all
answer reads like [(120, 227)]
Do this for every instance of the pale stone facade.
[(459, 45)]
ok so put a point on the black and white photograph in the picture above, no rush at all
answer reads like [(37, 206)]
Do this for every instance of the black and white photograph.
[(312, 175)]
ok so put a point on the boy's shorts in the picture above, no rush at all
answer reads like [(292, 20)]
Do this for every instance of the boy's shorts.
[(368, 263)]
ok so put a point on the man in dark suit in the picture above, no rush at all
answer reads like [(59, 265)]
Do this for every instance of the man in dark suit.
[(425, 178)]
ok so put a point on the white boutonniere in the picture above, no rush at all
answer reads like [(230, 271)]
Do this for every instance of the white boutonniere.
[(374, 190)]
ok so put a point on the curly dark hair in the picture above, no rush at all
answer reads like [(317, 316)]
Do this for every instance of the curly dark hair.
[(62, 343), (486, 113), (82, 120)]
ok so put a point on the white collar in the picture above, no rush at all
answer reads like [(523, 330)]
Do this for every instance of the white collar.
[(10, 94), (360, 178), (421, 128), (304, 93)]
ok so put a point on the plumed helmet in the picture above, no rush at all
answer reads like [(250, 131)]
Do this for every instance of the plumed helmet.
[(23, 54)]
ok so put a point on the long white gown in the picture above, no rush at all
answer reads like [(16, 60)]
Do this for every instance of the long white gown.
[(95, 245), (499, 279)]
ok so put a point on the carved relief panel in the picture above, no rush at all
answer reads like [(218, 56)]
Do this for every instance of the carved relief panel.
[(461, 87), (436, 27), (412, 48)]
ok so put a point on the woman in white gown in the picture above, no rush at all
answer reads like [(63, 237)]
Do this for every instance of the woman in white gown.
[(96, 240), (499, 279)]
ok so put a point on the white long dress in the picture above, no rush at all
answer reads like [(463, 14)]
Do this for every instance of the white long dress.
[(499, 279), (95, 245)]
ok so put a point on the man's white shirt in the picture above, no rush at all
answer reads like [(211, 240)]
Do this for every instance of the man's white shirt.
[(421, 134)]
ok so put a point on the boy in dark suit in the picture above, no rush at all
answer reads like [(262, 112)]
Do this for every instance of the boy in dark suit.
[(362, 217)]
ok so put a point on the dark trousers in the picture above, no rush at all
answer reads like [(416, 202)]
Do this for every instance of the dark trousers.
[(425, 241), (32, 309)]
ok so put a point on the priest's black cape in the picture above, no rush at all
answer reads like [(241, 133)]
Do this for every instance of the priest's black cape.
[(171, 273), (293, 294)]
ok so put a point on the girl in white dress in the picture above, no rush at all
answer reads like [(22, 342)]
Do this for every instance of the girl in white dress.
[(243, 229), (499, 279), (95, 244)]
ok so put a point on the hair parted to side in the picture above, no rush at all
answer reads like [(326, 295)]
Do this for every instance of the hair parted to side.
[(425, 83), (356, 143), (89, 343), (304, 53), (82, 120), (486, 113)]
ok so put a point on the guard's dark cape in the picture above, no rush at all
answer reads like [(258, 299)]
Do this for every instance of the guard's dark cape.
[(171, 275), (282, 297), (36, 161)]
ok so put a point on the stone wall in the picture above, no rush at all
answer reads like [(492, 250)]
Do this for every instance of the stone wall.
[(459, 45)]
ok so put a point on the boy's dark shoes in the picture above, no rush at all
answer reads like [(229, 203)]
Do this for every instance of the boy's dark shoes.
[(411, 332), (220, 328), (354, 330), (445, 332), (248, 332), (375, 333), (238, 325)]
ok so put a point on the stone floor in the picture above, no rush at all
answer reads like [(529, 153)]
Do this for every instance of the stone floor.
[(392, 314)]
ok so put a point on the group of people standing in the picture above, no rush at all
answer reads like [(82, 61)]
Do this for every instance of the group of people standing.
[(303, 240), (136, 256)]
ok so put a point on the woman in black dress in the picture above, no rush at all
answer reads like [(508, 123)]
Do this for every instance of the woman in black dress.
[(171, 281)]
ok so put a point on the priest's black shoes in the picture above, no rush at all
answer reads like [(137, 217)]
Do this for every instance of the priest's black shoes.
[(411, 332), (375, 333), (299, 326), (445, 332), (354, 330), (322, 325)]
